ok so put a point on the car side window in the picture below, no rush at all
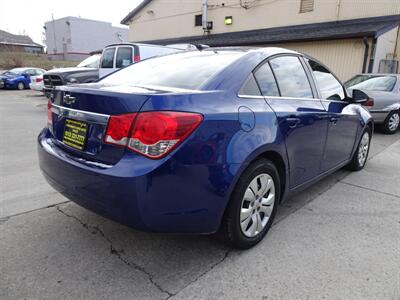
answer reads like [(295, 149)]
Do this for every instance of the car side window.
[(250, 87), (291, 77), (124, 57), (266, 80), (330, 88), (30, 72), (108, 58)]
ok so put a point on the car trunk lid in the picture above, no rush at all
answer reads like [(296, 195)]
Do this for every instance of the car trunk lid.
[(80, 116)]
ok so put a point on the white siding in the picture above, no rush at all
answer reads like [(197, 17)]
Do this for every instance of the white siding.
[(163, 19)]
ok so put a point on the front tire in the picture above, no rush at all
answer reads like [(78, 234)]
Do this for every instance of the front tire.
[(20, 86), (392, 123), (360, 156), (252, 207)]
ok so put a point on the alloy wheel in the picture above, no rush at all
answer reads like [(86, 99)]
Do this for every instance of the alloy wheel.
[(257, 205), (363, 148), (394, 122)]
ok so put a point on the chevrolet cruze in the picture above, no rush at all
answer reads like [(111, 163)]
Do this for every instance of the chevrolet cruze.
[(203, 142)]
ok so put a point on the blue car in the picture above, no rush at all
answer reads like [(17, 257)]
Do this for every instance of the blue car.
[(19, 78), (203, 142)]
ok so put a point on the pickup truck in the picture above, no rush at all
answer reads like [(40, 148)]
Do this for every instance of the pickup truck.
[(85, 72)]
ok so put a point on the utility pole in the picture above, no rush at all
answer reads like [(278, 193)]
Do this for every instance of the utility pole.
[(204, 8)]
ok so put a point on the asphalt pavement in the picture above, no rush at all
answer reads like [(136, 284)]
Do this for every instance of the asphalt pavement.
[(339, 239)]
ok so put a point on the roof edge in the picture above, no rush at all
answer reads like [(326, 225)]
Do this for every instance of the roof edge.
[(134, 12), (391, 18)]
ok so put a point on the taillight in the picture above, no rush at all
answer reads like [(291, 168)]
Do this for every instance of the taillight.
[(369, 102), (118, 129), (39, 79), (49, 114), (136, 58), (153, 134)]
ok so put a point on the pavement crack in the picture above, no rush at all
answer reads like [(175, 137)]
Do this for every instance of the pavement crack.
[(226, 255), (3, 220), (116, 252), (369, 189), (36, 209)]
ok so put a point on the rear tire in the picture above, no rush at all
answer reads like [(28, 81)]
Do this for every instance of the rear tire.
[(20, 86), (252, 207), (392, 123), (360, 156)]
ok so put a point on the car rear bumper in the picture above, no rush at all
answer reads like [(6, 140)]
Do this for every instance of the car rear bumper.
[(153, 196), (36, 87), (379, 116)]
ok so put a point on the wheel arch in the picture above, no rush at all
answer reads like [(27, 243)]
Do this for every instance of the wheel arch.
[(277, 159), (371, 125), (280, 165)]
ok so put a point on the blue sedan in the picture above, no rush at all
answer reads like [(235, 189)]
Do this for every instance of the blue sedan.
[(19, 78), (203, 142)]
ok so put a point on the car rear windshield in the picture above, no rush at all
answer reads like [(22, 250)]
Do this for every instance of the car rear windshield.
[(372, 83), (188, 70)]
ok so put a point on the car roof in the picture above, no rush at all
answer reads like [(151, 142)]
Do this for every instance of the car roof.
[(377, 74), (266, 50), (26, 68), (137, 44)]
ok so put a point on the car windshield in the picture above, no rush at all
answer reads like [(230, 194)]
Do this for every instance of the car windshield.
[(90, 62), (188, 70), (372, 83)]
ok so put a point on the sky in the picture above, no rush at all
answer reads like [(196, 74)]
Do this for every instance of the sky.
[(29, 16)]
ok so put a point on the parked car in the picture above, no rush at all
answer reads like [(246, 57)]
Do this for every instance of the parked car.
[(203, 141), (19, 78), (85, 72), (36, 84), (117, 56), (385, 90)]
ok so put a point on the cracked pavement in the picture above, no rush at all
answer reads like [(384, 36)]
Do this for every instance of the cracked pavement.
[(339, 239)]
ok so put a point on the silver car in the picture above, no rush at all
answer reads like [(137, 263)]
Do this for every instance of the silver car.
[(385, 90)]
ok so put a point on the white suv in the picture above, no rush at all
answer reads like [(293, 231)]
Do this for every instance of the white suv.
[(117, 56)]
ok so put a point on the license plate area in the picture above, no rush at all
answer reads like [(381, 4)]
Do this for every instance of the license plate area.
[(75, 133)]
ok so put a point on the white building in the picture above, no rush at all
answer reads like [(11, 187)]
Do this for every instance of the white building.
[(73, 38)]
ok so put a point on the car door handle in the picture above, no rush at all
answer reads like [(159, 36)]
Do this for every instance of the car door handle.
[(292, 121), (333, 120)]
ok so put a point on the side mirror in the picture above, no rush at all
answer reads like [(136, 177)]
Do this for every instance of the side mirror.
[(362, 98), (25, 75)]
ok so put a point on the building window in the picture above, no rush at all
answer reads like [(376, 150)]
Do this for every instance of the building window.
[(198, 20), (306, 6)]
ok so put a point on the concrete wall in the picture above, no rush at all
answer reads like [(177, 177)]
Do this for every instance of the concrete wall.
[(75, 40), (168, 19)]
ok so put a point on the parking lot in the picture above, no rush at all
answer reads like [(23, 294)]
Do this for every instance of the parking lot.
[(340, 239)]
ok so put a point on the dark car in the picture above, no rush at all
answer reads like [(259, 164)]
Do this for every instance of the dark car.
[(85, 72), (19, 78), (203, 142)]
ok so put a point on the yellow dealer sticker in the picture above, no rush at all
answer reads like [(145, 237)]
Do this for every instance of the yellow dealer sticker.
[(75, 133)]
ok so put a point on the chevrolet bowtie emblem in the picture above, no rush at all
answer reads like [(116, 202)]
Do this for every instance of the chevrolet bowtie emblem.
[(68, 99)]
